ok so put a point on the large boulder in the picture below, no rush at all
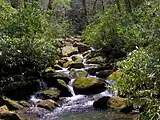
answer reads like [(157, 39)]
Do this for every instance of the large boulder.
[(69, 50), (11, 104), (115, 102), (8, 115), (84, 85), (51, 78), (53, 94), (47, 104), (81, 46), (96, 60)]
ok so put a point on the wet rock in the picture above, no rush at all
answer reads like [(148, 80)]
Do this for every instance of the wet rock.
[(57, 67), (77, 65), (86, 53), (51, 78), (84, 85), (96, 60), (76, 74), (93, 54), (8, 115), (3, 108), (62, 86), (77, 59), (92, 71), (81, 46), (53, 94), (120, 104), (62, 61), (67, 64), (116, 103), (102, 103), (104, 74), (24, 103), (47, 104), (69, 50), (11, 104)]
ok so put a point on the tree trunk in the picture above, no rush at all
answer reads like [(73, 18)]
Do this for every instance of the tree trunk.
[(44, 4), (85, 12)]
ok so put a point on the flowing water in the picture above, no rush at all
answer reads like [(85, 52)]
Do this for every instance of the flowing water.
[(80, 107)]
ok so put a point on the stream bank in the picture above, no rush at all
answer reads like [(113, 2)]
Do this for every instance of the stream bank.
[(73, 85)]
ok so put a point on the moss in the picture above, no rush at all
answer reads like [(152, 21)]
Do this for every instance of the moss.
[(61, 82), (82, 73), (96, 60), (49, 69), (67, 64), (11, 104), (52, 92), (47, 104), (83, 82), (24, 103), (115, 75), (3, 108), (117, 102)]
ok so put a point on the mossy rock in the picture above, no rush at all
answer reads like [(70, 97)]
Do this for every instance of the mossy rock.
[(24, 103), (53, 94), (62, 86), (3, 108), (51, 78), (115, 75), (115, 102), (57, 67), (120, 104), (84, 85), (69, 50), (81, 46), (96, 60), (74, 74), (67, 64), (86, 53), (77, 59), (47, 104), (11, 104), (8, 115), (62, 61)]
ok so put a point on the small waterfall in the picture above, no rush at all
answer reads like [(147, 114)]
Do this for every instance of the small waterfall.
[(71, 90)]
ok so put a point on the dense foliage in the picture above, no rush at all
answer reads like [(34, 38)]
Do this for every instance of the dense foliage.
[(27, 43), (134, 30)]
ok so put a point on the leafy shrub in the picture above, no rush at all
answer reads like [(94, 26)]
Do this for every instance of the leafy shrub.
[(122, 30), (27, 44)]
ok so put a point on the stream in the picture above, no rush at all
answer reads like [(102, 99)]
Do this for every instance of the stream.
[(79, 107)]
